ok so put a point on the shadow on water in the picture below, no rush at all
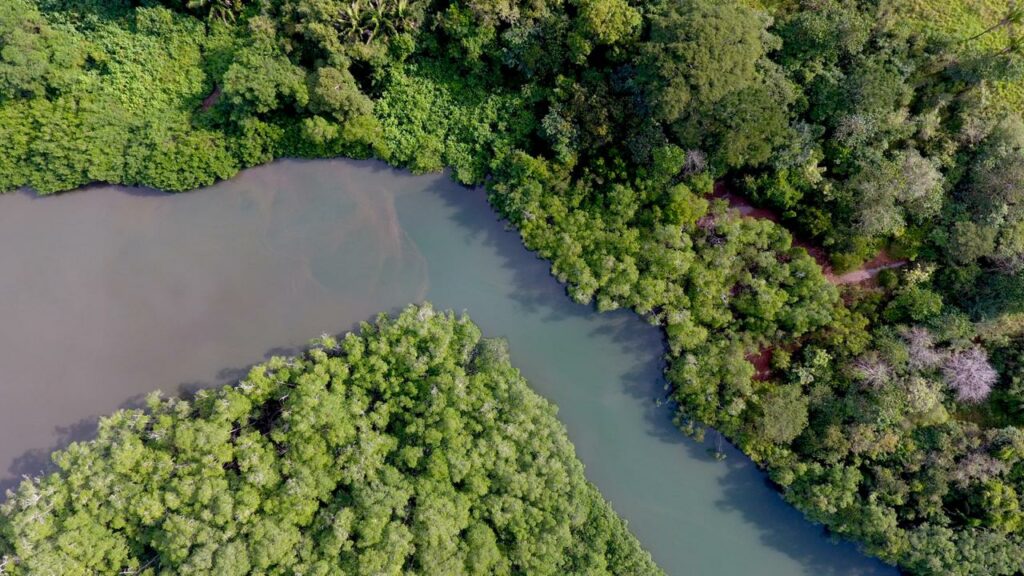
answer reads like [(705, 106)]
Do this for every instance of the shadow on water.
[(746, 489), (39, 462), (136, 191), (534, 287)]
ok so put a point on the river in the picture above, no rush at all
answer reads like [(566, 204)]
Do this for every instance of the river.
[(108, 293)]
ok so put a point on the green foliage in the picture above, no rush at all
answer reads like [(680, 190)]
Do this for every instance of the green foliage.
[(609, 21), (335, 92), (915, 304), (599, 128), (371, 31), (411, 445), (712, 82), (172, 156), (703, 51), (784, 415), (34, 58), (261, 78), (115, 108)]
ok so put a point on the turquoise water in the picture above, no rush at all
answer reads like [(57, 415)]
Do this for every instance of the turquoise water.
[(108, 293)]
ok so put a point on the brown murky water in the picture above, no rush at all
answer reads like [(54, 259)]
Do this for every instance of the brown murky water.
[(109, 293)]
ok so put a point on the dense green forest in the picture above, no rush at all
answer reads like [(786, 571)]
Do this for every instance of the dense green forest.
[(890, 412), (412, 447)]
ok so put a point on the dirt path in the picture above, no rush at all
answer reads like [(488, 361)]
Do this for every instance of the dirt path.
[(762, 359), (866, 272)]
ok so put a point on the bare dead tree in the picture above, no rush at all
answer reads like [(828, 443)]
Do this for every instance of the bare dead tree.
[(977, 467), (872, 371), (970, 375), (921, 349), (696, 162)]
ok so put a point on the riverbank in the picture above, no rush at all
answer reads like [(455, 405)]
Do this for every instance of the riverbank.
[(108, 277)]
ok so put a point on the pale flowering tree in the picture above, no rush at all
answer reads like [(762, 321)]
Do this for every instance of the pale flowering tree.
[(873, 371), (921, 349), (977, 467), (696, 162), (970, 375)]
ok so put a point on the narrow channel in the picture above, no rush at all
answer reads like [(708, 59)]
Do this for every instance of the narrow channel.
[(108, 293)]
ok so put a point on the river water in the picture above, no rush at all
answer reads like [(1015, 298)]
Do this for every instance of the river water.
[(109, 293)]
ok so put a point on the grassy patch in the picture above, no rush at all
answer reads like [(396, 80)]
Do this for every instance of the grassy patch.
[(963, 19)]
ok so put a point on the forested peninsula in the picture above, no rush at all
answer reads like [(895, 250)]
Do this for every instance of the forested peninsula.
[(889, 411), (412, 446)]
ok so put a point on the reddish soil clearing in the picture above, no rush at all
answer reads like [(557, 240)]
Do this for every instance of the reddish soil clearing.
[(762, 359), (762, 362), (211, 100), (866, 272)]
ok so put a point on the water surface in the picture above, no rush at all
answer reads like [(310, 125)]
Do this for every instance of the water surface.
[(109, 293)]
